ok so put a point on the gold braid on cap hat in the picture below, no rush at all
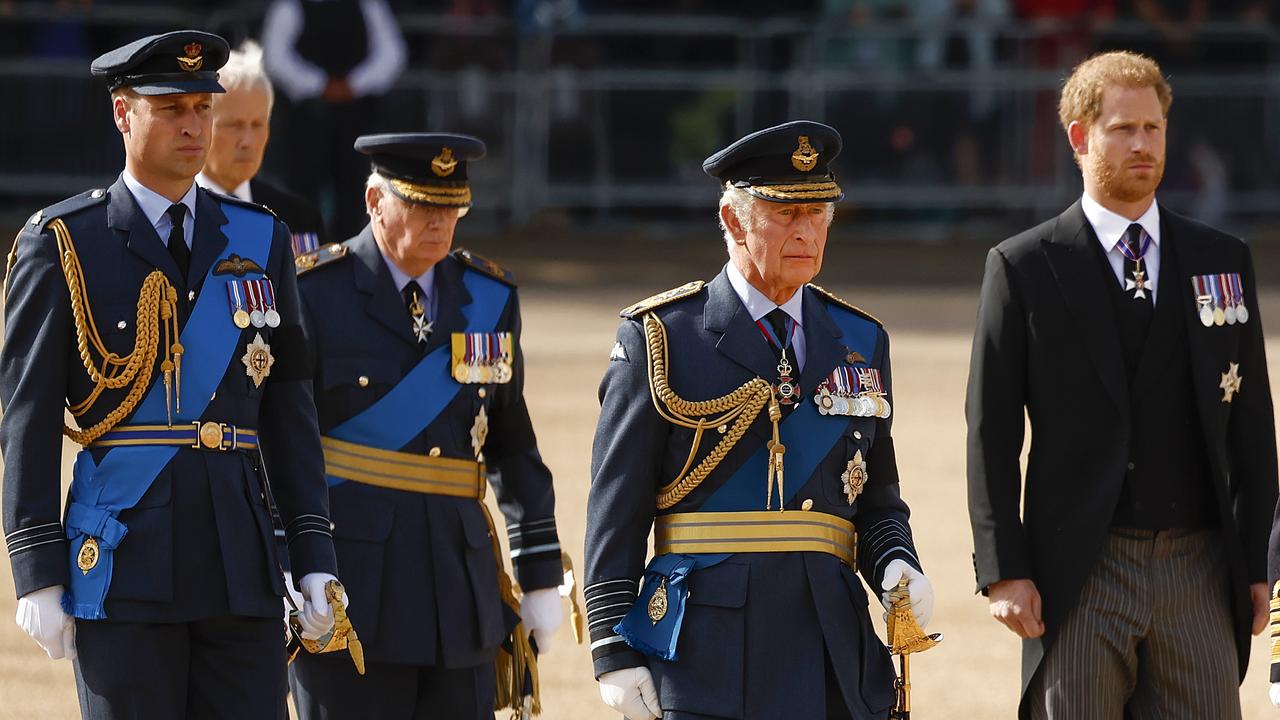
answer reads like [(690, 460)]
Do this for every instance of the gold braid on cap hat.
[(742, 407), (157, 305)]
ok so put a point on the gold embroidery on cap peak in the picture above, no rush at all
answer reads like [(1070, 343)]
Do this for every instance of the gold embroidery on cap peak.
[(805, 158)]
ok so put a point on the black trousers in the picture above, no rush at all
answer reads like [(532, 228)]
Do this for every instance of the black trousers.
[(326, 687), (227, 667)]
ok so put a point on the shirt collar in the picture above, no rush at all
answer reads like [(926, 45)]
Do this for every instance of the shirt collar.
[(1110, 227), (756, 302), (426, 280), (153, 204), (242, 191)]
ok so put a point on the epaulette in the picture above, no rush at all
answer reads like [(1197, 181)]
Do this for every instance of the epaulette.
[(62, 208), (484, 265), (663, 298), (243, 203), (332, 252), (844, 303)]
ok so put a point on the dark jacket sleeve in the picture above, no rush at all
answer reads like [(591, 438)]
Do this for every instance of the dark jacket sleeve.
[(523, 482), (33, 392), (882, 517), (994, 410), (288, 432), (626, 459)]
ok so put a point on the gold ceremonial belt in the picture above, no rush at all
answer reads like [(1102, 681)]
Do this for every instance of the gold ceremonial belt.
[(198, 435), (757, 531), (403, 471)]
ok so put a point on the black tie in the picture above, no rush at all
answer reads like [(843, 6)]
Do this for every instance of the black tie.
[(777, 319), (416, 301), (177, 240)]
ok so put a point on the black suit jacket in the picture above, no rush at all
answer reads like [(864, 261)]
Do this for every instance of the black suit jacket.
[(300, 215), (1047, 346), (199, 542)]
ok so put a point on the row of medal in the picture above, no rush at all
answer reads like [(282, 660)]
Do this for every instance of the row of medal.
[(1220, 298), (253, 302), (305, 242), (856, 392), (481, 357)]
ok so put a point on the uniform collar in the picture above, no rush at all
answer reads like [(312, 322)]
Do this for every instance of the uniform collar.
[(153, 204), (1110, 227), (242, 192), (755, 301)]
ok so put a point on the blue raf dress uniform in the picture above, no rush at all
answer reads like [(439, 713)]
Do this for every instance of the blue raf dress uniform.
[(166, 548), (420, 394), (704, 438)]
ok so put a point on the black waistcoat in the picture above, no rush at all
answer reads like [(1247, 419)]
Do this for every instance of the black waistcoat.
[(333, 37)]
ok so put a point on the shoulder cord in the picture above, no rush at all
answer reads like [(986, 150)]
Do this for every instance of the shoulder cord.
[(157, 304), (742, 407)]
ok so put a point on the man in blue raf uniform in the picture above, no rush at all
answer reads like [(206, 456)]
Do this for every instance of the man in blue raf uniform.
[(161, 581), (748, 422), (420, 391)]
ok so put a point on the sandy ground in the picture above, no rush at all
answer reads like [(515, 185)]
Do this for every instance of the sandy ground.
[(568, 336)]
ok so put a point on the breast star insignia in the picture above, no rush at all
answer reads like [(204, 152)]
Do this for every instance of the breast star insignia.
[(1231, 381)]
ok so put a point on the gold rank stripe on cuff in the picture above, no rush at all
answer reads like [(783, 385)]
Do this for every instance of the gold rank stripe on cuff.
[(797, 191), (403, 471), (433, 194), (757, 531)]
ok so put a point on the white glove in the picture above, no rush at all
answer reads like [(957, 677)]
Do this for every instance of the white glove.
[(630, 691), (541, 613), (40, 615), (919, 587), (1275, 694), (316, 617)]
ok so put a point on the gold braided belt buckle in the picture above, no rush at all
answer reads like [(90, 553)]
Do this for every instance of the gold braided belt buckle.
[(209, 435)]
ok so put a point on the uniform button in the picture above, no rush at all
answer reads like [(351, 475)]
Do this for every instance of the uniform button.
[(722, 429), (434, 452), (1131, 465), (122, 325), (191, 296), (857, 434), (363, 381), (481, 392), (806, 505)]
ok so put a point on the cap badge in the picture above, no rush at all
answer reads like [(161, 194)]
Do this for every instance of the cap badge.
[(805, 158), (443, 164), (193, 61)]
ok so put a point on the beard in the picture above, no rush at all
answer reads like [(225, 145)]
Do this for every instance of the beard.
[(1116, 184)]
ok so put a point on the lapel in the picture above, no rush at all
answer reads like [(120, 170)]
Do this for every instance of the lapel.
[(374, 280), (1073, 258), (1166, 325), (208, 241), (124, 215), (823, 349), (740, 339), (451, 297)]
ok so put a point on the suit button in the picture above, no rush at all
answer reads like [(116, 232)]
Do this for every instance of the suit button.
[(1131, 465), (806, 505), (434, 452), (122, 325), (363, 381), (481, 392), (857, 434)]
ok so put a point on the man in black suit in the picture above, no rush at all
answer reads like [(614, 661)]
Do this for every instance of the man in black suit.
[(241, 128), (1130, 336)]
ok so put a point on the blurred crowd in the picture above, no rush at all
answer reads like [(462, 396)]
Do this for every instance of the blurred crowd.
[(940, 93)]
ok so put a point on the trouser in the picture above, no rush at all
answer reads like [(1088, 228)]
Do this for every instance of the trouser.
[(227, 667), (1150, 637), (327, 687)]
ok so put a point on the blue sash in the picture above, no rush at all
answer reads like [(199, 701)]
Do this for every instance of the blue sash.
[(99, 492), (808, 439), (420, 397)]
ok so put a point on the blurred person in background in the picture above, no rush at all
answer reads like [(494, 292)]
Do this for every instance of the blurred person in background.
[(1133, 565), (333, 59), (241, 128)]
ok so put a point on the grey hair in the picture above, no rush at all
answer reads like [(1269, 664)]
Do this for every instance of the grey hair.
[(743, 205), (244, 69), (379, 182)]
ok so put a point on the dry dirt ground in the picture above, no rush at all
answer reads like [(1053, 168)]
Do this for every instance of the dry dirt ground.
[(567, 338)]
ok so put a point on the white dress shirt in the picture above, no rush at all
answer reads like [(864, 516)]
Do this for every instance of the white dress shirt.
[(758, 306), (155, 206), (1110, 229), (302, 80), (243, 192)]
